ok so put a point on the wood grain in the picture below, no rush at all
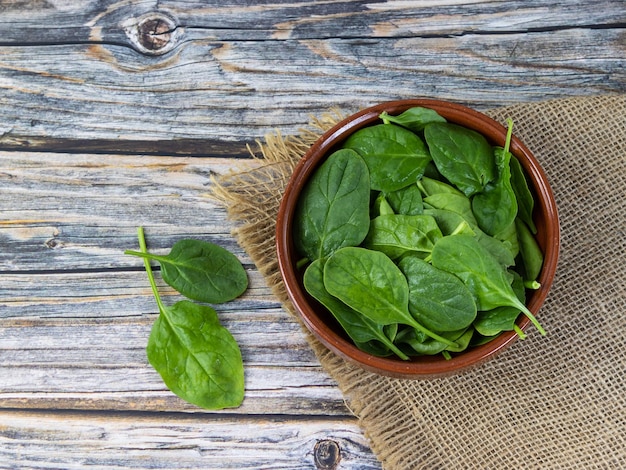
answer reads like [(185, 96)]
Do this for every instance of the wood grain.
[(235, 73), (176, 441)]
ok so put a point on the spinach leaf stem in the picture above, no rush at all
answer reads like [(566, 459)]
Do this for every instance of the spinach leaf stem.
[(146, 262)]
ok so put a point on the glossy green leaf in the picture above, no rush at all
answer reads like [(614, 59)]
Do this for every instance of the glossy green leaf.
[(359, 328), (525, 200), (406, 201), (463, 156), (481, 272), (197, 358), (532, 256), (414, 118), (430, 186), (396, 235), (333, 209), (370, 283), (499, 319), (437, 299), (495, 207), (201, 271), (395, 156)]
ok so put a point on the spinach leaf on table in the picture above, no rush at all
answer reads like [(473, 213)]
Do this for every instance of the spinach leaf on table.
[(462, 156), (395, 156), (481, 272), (201, 271), (197, 358), (333, 209)]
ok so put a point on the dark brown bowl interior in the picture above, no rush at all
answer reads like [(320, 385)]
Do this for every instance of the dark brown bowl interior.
[(321, 323)]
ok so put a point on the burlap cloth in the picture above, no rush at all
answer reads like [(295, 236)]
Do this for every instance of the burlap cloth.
[(547, 402)]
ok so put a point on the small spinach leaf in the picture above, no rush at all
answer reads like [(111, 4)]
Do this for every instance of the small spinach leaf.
[(531, 254), (201, 271), (333, 209), (198, 359), (395, 156), (406, 201), (463, 156), (396, 234), (499, 319), (495, 207), (414, 118), (525, 200), (437, 299)]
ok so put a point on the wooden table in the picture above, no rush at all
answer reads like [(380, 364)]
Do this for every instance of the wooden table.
[(115, 114)]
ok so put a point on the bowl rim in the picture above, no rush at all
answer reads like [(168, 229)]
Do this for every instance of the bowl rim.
[(422, 366)]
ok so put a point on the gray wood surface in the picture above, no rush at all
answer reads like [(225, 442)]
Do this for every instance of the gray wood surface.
[(115, 114)]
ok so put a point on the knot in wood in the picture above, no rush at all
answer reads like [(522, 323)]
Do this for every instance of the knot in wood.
[(327, 454), (154, 34)]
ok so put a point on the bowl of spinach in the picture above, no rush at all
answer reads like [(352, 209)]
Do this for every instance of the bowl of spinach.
[(418, 238)]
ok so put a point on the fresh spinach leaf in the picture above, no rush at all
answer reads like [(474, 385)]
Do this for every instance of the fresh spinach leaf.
[(450, 222), (463, 156), (414, 118), (525, 200), (359, 328), (406, 201), (462, 206), (481, 272), (381, 206), (396, 234), (430, 186), (395, 156), (495, 321), (437, 299), (413, 342), (531, 254), (370, 283), (201, 271), (495, 207), (197, 358), (333, 209)]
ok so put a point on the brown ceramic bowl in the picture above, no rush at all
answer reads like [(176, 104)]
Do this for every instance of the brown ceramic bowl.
[(321, 323)]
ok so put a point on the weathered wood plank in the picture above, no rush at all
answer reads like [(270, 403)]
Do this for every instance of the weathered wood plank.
[(77, 341), (61, 211), (73, 440), (110, 21), (238, 71)]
